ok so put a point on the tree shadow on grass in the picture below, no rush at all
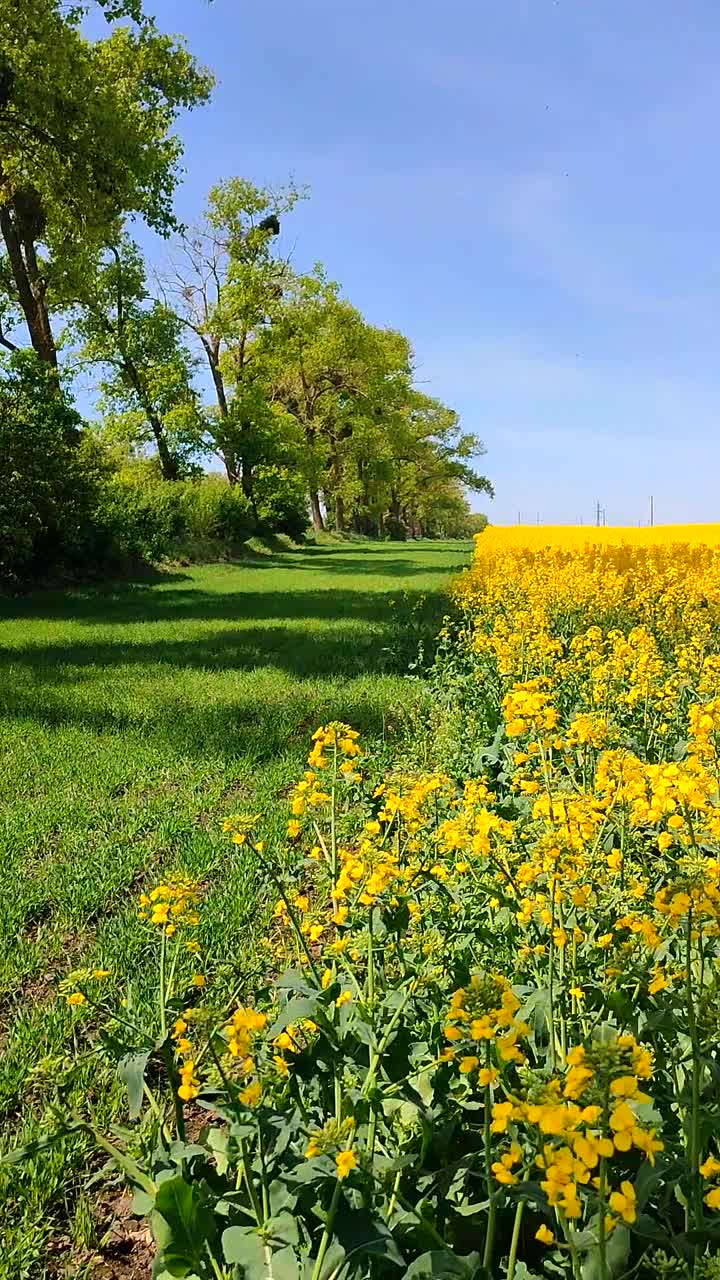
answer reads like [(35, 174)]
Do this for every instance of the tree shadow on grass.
[(179, 605), (230, 691), (305, 634), (164, 680), (241, 726), (161, 596)]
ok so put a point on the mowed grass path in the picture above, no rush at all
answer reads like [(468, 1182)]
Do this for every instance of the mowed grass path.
[(134, 718)]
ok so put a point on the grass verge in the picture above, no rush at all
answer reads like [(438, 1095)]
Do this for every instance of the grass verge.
[(134, 719)]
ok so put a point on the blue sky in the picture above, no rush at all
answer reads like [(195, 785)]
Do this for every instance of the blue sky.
[(529, 189)]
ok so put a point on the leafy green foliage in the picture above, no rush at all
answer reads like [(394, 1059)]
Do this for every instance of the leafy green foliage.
[(146, 520), (84, 144), (146, 370), (49, 473), (385, 456), (225, 281)]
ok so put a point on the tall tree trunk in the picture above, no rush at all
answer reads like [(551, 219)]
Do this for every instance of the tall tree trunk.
[(168, 464), (212, 351), (29, 283), (247, 480), (339, 513), (316, 511)]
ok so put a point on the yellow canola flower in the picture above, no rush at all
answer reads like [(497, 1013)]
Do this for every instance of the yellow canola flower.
[(544, 1235), (345, 1162), (252, 1095), (624, 1202)]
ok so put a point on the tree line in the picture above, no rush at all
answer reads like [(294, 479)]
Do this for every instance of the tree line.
[(224, 350)]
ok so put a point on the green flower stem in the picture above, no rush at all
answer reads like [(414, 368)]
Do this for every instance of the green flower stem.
[(602, 1228), (375, 1063), (602, 1191), (427, 1227), (171, 976), (397, 1085), (370, 963), (163, 949), (327, 1233), (377, 1056), (515, 1239), (492, 1204), (264, 1186), (250, 1183), (295, 922), (123, 1161), (567, 1232), (563, 1021), (694, 1134), (217, 1272), (551, 976), (394, 1195), (107, 1012), (167, 1056), (372, 1126), (245, 1159), (333, 823)]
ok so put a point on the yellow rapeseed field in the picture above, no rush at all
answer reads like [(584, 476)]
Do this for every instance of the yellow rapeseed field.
[(487, 1041)]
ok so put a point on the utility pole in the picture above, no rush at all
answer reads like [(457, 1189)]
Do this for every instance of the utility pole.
[(652, 510), (597, 513)]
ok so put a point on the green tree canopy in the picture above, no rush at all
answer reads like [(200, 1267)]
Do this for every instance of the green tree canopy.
[(85, 139), (146, 369), (226, 280)]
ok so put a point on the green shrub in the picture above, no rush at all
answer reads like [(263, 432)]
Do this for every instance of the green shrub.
[(281, 502), (49, 473), (141, 519)]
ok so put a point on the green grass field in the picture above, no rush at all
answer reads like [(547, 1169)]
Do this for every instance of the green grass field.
[(134, 719)]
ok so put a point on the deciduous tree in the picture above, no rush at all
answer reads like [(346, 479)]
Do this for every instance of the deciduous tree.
[(85, 139), (146, 369), (226, 280)]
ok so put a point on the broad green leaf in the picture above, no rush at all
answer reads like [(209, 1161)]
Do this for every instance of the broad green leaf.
[(258, 1259), (281, 1198), (441, 1262), (332, 1266), (142, 1203), (181, 1224), (283, 1228), (302, 1007), (217, 1140), (293, 980), (131, 1070), (616, 1251), (359, 1233)]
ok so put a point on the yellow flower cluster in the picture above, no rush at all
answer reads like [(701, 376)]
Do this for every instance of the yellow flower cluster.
[(484, 1013), (580, 1119), (598, 651), (241, 1030), (241, 826), (335, 749), (171, 905), (335, 741)]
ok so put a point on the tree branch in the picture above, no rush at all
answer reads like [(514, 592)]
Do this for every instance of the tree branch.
[(5, 342)]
